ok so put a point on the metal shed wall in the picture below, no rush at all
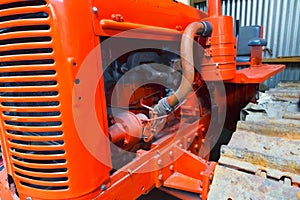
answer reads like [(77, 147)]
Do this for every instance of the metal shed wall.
[(291, 73)]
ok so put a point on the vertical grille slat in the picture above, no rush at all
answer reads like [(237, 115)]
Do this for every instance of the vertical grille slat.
[(29, 96)]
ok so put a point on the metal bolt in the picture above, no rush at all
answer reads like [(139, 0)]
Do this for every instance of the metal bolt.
[(103, 187), (179, 28), (159, 162), (172, 167), (196, 146), (157, 152), (180, 145), (77, 81), (95, 9), (129, 171), (171, 153), (160, 177), (189, 140)]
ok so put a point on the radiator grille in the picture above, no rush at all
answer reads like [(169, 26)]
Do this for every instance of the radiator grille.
[(29, 96)]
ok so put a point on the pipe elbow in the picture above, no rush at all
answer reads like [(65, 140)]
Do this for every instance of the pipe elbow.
[(203, 29)]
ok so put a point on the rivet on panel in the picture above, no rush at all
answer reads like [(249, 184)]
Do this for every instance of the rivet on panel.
[(179, 28), (77, 81), (160, 177), (159, 162), (172, 168), (129, 171), (157, 152), (103, 187), (95, 10)]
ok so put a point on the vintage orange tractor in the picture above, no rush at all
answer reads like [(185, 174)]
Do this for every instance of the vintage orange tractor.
[(110, 99)]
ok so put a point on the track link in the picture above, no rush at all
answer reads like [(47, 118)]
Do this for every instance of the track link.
[(262, 159)]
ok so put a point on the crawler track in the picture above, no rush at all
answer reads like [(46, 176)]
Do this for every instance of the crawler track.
[(262, 160)]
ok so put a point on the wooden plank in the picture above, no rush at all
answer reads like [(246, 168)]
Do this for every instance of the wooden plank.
[(282, 60)]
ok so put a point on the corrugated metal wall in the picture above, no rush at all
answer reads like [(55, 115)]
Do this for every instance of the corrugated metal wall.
[(291, 73), (280, 19)]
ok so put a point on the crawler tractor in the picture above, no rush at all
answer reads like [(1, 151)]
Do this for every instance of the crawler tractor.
[(112, 99)]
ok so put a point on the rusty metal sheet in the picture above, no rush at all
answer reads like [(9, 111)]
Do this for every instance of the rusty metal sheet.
[(292, 84), (262, 159), (286, 91), (230, 184), (284, 128), (278, 156), (293, 111), (254, 162)]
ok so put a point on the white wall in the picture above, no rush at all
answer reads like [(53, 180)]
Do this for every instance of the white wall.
[(185, 1)]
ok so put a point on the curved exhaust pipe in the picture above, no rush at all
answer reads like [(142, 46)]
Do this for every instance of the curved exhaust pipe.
[(168, 104)]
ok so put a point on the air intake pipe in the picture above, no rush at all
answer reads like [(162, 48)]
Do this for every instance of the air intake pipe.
[(167, 104)]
